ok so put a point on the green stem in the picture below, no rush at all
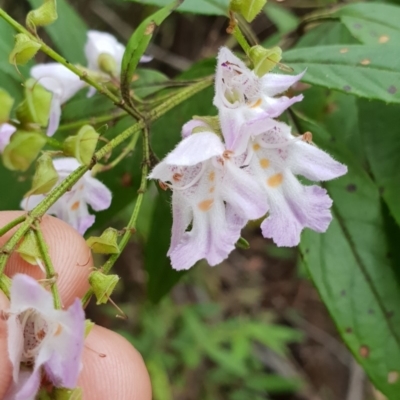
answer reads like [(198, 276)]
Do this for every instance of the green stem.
[(131, 227), (237, 33), (92, 121), (83, 75), (12, 224), (54, 143), (48, 265)]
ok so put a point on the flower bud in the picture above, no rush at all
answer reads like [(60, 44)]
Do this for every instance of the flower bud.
[(106, 243), (67, 394), (46, 14), (29, 249), (242, 244), (6, 103), (248, 8), (107, 64), (24, 49), (88, 327), (45, 176), (102, 285), (264, 60), (35, 109), (82, 145), (22, 150)]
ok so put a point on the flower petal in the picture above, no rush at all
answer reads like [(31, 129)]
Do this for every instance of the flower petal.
[(6, 131), (55, 115), (195, 149), (187, 128), (273, 84), (15, 343), (26, 388), (274, 107), (313, 163), (96, 194)]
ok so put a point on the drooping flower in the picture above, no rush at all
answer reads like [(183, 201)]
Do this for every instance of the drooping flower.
[(102, 45), (6, 131), (72, 207), (241, 96), (212, 194), (274, 158), (60, 81), (42, 339)]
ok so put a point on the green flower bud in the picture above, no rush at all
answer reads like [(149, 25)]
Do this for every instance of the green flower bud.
[(67, 394), (24, 49), (35, 109), (82, 145), (6, 103), (102, 285), (46, 14), (29, 249), (22, 150), (88, 327), (45, 176), (242, 244), (264, 60), (107, 64), (106, 243), (248, 8)]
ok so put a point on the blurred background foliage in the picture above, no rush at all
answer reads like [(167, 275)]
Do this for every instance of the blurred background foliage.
[(269, 322)]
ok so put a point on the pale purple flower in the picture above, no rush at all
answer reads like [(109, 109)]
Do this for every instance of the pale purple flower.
[(62, 83), (6, 131), (42, 339), (212, 194), (241, 96), (99, 43), (274, 158), (72, 207)]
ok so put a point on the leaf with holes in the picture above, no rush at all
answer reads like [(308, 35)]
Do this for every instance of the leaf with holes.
[(353, 273), (138, 43), (371, 23), (379, 125), (371, 72)]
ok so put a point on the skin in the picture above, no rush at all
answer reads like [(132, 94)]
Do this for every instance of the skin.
[(112, 368)]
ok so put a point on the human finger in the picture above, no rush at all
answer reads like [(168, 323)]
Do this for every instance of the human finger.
[(5, 364)]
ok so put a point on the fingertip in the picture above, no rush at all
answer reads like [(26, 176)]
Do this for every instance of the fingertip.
[(5, 364), (68, 251), (112, 368)]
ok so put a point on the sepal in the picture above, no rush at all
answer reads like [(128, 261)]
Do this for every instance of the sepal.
[(102, 285), (6, 104), (248, 8), (24, 49), (264, 60), (105, 244), (45, 176), (46, 14)]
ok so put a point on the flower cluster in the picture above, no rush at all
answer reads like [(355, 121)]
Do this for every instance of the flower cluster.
[(243, 168), (41, 339)]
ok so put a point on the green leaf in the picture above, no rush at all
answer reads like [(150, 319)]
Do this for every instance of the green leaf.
[(372, 23), (284, 20), (350, 267), (371, 72), (138, 43), (208, 7), (379, 124), (68, 33)]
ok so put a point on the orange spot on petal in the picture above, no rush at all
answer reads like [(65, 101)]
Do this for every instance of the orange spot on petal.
[(177, 177), (212, 189), (256, 104), (59, 330), (275, 180), (264, 163), (75, 206), (206, 205), (211, 176), (256, 147)]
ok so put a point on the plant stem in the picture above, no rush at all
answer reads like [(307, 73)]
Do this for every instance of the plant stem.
[(92, 121), (11, 224), (83, 75), (237, 33), (48, 265)]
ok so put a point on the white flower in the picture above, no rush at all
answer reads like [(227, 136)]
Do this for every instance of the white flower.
[(42, 338), (72, 207), (60, 81)]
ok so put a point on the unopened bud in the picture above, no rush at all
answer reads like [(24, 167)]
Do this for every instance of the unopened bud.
[(248, 8), (45, 176), (105, 244), (242, 244), (24, 49), (6, 103), (88, 327), (35, 109), (82, 145), (67, 394), (22, 150), (29, 249), (107, 64), (102, 285), (46, 14), (264, 60)]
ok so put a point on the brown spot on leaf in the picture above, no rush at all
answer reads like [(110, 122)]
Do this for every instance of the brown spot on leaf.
[(392, 89), (343, 293), (365, 62), (126, 180), (371, 312), (351, 187), (150, 28), (357, 26), (349, 330), (347, 88), (383, 39), (364, 351), (393, 377), (344, 50)]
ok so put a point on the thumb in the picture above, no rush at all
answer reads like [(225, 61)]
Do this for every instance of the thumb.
[(5, 364)]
